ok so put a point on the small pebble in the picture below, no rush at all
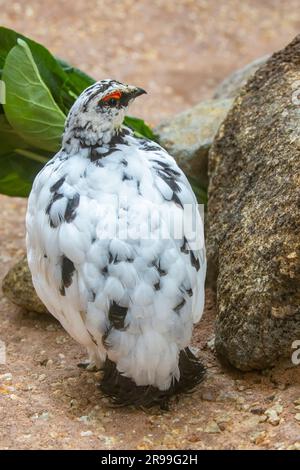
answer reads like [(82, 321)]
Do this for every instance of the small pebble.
[(6, 377), (51, 328), (194, 438), (84, 419), (263, 419), (257, 411), (207, 395), (12, 396), (272, 414), (281, 386), (295, 446), (61, 339), (212, 428), (44, 416), (211, 343), (73, 403), (86, 433), (258, 437)]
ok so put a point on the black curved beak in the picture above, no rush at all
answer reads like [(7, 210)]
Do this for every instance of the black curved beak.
[(136, 91), (130, 94)]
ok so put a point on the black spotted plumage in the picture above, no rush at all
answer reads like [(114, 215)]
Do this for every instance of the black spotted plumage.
[(70, 211), (176, 199), (194, 261), (55, 187), (129, 297), (149, 146), (72, 205), (184, 247), (179, 306), (165, 166), (105, 336), (157, 264), (117, 315), (117, 140), (67, 272), (104, 270), (171, 181), (55, 197), (189, 292)]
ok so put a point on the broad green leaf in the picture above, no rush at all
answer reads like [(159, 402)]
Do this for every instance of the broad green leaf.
[(12, 142), (140, 127), (64, 81), (17, 174), (78, 80), (40, 91), (50, 70), (30, 107), (18, 164), (9, 139)]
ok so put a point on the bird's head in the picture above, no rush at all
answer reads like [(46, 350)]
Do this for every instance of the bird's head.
[(98, 113)]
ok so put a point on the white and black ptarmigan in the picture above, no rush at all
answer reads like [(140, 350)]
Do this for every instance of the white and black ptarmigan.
[(104, 255)]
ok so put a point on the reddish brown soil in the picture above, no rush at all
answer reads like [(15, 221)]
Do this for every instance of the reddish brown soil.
[(178, 51)]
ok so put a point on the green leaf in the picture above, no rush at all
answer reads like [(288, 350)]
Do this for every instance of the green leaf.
[(64, 81), (9, 139), (30, 107), (17, 174), (78, 80), (50, 70), (200, 192), (8, 39), (40, 91), (18, 164), (139, 127)]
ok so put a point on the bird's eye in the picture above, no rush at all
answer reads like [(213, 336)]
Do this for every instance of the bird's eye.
[(112, 98), (112, 102)]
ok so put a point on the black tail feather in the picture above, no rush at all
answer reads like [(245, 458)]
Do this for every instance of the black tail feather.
[(124, 392)]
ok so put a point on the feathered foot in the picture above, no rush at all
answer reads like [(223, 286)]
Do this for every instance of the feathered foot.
[(123, 391)]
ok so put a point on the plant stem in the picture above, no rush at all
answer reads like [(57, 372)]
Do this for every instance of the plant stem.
[(32, 155)]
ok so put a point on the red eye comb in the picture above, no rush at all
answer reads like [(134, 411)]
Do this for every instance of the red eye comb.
[(115, 94)]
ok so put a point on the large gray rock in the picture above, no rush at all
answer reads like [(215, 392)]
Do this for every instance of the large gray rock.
[(254, 216), (189, 135), (232, 85), (17, 286)]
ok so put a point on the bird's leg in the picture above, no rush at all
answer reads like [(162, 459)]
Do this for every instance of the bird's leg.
[(94, 362), (89, 366)]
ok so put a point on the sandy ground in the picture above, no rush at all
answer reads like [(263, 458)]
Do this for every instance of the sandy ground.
[(178, 51)]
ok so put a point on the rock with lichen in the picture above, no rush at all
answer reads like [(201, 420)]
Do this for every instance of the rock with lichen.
[(188, 136), (232, 85), (17, 286), (254, 216)]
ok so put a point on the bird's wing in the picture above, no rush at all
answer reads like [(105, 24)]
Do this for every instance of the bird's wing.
[(174, 187), (58, 240)]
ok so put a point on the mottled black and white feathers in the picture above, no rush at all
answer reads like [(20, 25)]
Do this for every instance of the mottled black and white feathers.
[(109, 253)]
